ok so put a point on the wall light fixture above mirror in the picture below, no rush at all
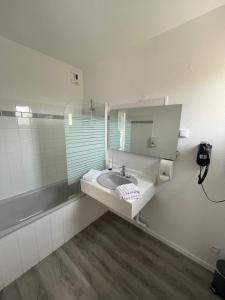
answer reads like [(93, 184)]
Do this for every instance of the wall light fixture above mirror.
[(150, 131)]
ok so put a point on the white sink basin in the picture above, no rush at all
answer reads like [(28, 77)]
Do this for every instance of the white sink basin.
[(103, 191), (111, 180)]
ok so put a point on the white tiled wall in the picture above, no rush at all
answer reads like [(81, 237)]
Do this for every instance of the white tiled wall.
[(22, 249), (31, 154)]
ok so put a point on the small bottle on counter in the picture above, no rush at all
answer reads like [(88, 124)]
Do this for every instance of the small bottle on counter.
[(110, 163)]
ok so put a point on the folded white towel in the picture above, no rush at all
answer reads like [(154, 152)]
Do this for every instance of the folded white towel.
[(91, 175), (129, 188), (128, 192)]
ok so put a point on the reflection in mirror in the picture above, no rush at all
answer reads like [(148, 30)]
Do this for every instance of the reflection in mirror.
[(151, 131)]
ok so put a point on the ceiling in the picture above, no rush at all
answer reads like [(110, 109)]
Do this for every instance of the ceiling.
[(83, 31)]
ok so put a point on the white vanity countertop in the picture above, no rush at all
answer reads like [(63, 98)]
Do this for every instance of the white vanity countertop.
[(111, 199), (143, 183)]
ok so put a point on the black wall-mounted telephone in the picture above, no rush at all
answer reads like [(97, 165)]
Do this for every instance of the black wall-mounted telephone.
[(203, 160)]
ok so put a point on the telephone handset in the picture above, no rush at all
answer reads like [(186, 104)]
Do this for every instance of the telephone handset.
[(203, 160)]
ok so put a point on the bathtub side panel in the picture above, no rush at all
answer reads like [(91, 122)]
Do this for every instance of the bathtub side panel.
[(28, 247), (10, 259), (87, 212), (22, 249), (69, 221), (1, 275), (43, 237), (80, 214), (56, 219)]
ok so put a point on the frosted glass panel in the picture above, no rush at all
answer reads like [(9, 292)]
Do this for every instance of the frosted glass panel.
[(85, 145)]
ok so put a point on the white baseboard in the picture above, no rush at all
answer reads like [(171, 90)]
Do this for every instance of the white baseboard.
[(186, 253), (176, 247)]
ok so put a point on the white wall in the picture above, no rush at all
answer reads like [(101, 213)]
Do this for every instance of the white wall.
[(28, 75), (188, 65)]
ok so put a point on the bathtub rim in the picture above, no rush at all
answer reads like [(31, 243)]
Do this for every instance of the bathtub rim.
[(18, 226), (29, 192)]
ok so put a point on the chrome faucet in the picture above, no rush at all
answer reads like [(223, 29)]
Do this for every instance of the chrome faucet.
[(123, 171)]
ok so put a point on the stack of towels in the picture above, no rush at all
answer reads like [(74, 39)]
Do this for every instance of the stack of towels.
[(128, 192), (92, 175)]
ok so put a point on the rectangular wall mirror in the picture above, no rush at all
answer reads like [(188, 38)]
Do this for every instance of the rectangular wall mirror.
[(151, 131)]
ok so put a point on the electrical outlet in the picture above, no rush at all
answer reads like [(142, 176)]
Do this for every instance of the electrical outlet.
[(215, 250)]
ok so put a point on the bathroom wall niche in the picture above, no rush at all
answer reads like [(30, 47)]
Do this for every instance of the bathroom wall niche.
[(150, 131)]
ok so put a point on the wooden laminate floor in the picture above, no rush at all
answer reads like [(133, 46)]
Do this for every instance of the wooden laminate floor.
[(112, 259)]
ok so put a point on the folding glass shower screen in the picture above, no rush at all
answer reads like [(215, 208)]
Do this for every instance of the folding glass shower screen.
[(85, 139)]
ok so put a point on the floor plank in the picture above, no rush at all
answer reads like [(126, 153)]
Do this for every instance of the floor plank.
[(112, 259), (11, 293)]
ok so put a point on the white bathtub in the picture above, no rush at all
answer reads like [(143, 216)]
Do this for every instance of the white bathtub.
[(25, 242)]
